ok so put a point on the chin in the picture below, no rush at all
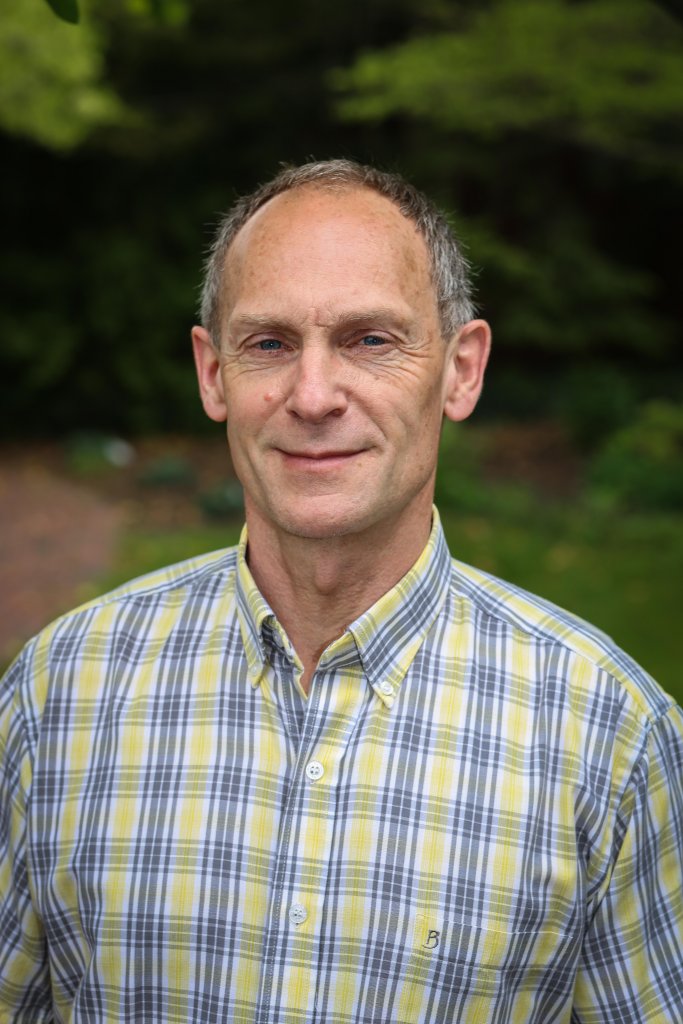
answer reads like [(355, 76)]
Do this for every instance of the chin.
[(322, 523), (319, 528)]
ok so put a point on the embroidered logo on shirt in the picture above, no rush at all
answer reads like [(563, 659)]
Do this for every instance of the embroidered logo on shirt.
[(424, 935), (432, 939)]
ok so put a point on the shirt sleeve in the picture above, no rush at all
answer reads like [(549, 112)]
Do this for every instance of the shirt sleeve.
[(25, 996), (631, 970)]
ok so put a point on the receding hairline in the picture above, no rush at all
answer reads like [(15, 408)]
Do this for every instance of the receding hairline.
[(329, 187), (332, 188)]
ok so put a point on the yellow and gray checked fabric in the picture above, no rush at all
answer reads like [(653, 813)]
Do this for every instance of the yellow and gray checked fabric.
[(476, 816)]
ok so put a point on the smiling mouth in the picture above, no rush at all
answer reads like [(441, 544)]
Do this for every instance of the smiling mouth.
[(315, 459)]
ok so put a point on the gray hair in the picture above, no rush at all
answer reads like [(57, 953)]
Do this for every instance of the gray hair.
[(449, 268)]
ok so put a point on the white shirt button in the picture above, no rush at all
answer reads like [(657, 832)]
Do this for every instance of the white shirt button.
[(314, 771), (386, 688), (297, 913)]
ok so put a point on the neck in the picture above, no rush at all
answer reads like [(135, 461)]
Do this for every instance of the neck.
[(317, 587)]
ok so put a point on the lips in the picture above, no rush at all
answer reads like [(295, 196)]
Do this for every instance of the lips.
[(334, 458), (319, 456)]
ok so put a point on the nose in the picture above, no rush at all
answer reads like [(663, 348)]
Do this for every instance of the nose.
[(316, 389)]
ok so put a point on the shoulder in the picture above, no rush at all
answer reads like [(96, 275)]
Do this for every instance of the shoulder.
[(591, 659), (144, 608), (174, 583)]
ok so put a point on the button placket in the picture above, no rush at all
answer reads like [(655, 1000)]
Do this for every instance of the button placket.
[(307, 835)]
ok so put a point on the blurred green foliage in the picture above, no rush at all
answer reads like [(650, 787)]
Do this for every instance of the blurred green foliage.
[(460, 483), (52, 77), (171, 11), (67, 10), (224, 501), (604, 74), (594, 401), (550, 128), (168, 471), (641, 465), (89, 453)]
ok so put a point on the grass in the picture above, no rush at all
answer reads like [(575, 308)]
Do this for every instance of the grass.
[(141, 552), (623, 573)]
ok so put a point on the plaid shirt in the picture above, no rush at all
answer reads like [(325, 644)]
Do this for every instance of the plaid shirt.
[(476, 816)]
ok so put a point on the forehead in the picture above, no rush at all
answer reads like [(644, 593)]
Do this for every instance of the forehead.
[(353, 235)]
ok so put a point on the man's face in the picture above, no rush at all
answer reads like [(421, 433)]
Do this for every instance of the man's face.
[(333, 373)]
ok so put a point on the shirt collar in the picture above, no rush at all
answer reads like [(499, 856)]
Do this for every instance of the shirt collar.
[(256, 617), (387, 636)]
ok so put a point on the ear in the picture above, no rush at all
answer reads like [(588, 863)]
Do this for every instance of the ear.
[(208, 363), (468, 355)]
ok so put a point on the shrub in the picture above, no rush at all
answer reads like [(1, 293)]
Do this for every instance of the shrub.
[(641, 465), (594, 401)]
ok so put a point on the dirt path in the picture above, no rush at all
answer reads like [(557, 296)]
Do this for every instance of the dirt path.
[(55, 536)]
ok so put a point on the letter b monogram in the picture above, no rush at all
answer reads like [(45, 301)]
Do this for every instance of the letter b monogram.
[(432, 939)]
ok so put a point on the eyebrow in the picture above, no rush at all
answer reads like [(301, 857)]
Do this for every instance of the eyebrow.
[(378, 316)]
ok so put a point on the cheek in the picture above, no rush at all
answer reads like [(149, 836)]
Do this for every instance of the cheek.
[(421, 412), (250, 403)]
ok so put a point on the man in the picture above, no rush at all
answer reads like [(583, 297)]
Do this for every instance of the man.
[(333, 775)]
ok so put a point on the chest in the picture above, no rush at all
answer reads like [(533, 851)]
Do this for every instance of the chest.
[(350, 859)]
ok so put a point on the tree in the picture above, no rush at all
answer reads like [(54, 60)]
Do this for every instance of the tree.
[(604, 75), (52, 78)]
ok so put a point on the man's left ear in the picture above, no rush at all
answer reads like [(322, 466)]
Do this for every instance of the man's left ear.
[(468, 355)]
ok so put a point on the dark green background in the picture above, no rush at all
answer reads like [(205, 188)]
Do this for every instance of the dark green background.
[(550, 130)]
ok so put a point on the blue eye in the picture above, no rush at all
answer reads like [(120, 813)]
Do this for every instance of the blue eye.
[(372, 341), (269, 345)]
